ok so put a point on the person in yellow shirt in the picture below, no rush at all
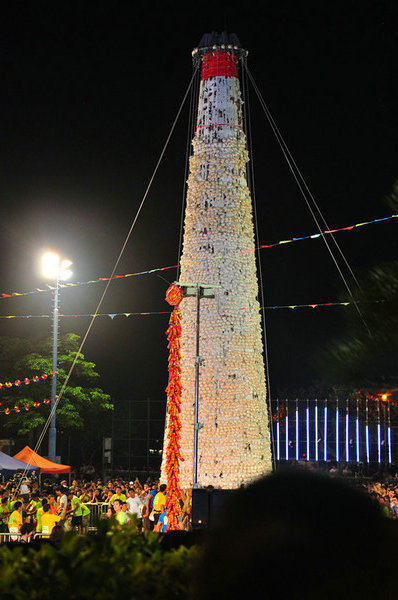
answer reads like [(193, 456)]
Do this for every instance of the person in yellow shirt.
[(15, 521), (48, 521), (158, 502)]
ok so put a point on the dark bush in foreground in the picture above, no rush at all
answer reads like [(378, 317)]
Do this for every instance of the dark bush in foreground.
[(107, 565)]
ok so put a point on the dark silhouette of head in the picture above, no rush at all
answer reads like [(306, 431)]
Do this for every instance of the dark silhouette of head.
[(297, 535), (57, 533)]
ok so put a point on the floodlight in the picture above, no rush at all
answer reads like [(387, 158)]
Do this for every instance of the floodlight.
[(54, 268), (50, 265)]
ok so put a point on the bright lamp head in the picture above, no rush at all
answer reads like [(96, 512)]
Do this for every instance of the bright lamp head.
[(50, 265), (54, 268)]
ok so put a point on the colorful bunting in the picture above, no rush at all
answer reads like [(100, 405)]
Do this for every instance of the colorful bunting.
[(173, 390), (26, 406), (113, 315), (261, 247), (27, 381)]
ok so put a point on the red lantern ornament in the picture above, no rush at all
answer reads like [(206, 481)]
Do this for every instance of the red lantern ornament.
[(174, 295)]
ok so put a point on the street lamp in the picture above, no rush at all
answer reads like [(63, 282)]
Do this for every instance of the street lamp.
[(57, 269)]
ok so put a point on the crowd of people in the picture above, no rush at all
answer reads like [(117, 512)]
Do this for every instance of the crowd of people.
[(27, 509)]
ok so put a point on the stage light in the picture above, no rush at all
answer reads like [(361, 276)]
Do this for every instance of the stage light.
[(287, 435), (316, 431), (307, 419), (325, 432), (389, 444), (297, 431), (278, 447), (367, 443), (337, 434)]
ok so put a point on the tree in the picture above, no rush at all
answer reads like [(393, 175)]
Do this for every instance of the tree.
[(367, 356), (83, 404)]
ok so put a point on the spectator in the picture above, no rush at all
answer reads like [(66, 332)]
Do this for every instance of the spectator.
[(75, 510), (4, 514), (119, 514), (134, 504), (147, 508), (299, 536), (118, 495), (52, 503), (124, 510), (158, 502), (39, 513), (48, 520), (57, 533), (15, 521), (26, 532), (62, 502)]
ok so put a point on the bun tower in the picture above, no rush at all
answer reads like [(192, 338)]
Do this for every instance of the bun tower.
[(224, 434)]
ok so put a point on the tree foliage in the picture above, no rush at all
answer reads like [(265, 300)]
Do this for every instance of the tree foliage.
[(83, 403), (367, 356), (107, 565)]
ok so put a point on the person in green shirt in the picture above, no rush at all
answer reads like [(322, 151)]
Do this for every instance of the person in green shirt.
[(32, 507), (76, 510), (117, 496), (39, 514), (85, 518), (120, 516), (4, 514)]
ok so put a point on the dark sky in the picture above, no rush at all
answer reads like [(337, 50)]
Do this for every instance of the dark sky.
[(88, 95)]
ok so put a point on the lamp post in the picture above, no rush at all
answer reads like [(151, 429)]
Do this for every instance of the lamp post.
[(58, 270)]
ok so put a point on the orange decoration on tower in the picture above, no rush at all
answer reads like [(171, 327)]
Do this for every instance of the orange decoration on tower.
[(174, 295), (173, 510)]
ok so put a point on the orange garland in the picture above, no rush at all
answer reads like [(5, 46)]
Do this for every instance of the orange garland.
[(173, 390)]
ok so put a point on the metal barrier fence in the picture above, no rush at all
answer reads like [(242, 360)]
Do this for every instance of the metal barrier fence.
[(98, 511), (15, 537)]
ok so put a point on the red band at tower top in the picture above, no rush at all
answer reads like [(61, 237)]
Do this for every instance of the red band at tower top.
[(219, 64)]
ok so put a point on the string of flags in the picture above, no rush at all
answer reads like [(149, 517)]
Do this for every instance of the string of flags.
[(261, 247), (163, 312), (21, 407), (27, 381)]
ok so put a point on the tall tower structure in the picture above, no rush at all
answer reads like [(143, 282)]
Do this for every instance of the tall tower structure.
[(233, 442)]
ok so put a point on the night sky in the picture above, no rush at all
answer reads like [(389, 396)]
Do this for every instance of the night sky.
[(88, 96)]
